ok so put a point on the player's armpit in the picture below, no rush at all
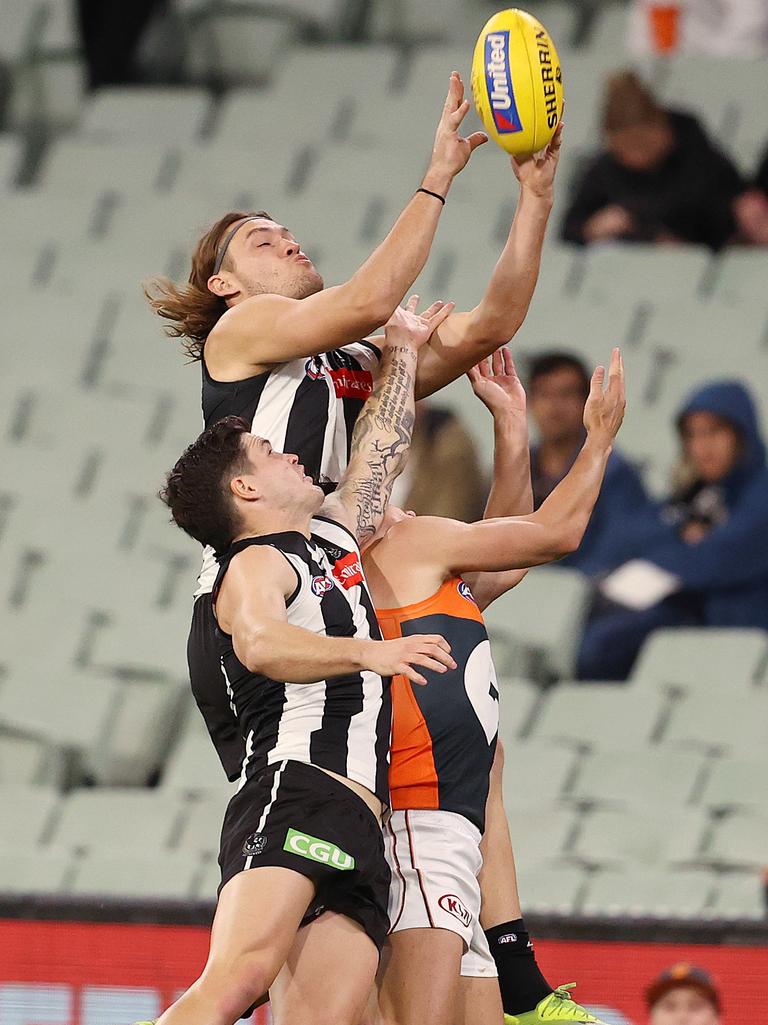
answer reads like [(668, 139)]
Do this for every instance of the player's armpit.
[(269, 329), (487, 587)]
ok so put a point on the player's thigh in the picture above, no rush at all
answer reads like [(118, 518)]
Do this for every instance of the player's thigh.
[(257, 917), (419, 977), (327, 976), (479, 1002)]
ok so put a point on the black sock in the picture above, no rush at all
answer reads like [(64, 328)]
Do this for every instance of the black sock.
[(521, 983)]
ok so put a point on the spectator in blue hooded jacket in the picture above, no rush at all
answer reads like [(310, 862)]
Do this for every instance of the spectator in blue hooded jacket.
[(711, 536)]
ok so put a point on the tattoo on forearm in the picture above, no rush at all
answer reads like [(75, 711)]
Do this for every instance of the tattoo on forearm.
[(381, 440)]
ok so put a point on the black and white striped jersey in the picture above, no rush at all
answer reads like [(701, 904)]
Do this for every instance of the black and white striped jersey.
[(341, 724), (307, 406)]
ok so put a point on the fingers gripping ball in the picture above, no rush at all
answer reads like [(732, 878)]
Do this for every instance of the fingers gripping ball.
[(517, 83)]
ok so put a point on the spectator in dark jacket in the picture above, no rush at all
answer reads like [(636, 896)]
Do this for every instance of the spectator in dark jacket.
[(708, 544), (751, 209), (558, 386), (658, 180)]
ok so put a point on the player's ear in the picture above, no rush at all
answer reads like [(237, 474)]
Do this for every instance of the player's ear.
[(222, 286), (244, 487)]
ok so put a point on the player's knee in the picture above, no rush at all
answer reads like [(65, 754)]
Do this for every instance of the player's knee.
[(240, 982)]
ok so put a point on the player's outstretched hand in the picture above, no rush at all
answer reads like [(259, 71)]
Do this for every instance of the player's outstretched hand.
[(451, 151), (604, 409), (407, 327), (398, 657), (496, 384), (537, 172)]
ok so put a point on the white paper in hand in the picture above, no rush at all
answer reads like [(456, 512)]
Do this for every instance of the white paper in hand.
[(639, 585)]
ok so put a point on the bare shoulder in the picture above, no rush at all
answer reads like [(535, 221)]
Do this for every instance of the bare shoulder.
[(260, 565), (232, 347), (422, 537)]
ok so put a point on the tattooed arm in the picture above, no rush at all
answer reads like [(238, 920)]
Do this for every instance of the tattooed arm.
[(382, 435)]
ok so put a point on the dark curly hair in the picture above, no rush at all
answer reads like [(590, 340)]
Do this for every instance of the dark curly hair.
[(197, 488)]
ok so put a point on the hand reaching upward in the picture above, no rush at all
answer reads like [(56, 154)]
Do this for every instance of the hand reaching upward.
[(496, 384), (604, 409)]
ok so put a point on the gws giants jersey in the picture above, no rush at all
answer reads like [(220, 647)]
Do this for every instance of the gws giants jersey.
[(341, 724), (308, 406), (444, 733)]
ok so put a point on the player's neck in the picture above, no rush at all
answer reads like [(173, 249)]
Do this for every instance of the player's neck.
[(276, 521)]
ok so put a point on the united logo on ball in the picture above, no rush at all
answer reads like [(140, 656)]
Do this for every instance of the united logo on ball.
[(517, 82)]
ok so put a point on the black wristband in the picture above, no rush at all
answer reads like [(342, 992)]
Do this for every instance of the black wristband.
[(435, 194)]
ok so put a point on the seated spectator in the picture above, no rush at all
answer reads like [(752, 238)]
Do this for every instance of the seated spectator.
[(443, 476), (658, 180), (558, 385), (683, 995), (701, 558), (751, 209), (716, 28)]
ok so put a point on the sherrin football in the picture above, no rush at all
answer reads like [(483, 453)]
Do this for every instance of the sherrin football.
[(517, 83)]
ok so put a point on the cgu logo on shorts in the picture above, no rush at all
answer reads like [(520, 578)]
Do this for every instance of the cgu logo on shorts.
[(450, 902), (312, 849), (498, 84), (348, 570), (321, 585)]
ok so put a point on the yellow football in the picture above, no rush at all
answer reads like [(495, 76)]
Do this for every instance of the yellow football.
[(517, 82)]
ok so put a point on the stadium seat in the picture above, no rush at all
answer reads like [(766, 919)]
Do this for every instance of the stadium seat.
[(145, 114), (27, 760), (201, 831), (31, 811), (34, 870), (139, 876), (135, 745), (641, 780), (108, 819), (648, 893), (644, 272), (73, 163), (662, 837), (231, 45), (552, 638), (703, 660), (517, 699), (739, 895), (541, 834), (740, 840), (552, 890), (715, 722), (740, 277), (11, 153), (193, 766), (599, 716), (38, 700), (139, 645), (734, 783), (534, 771)]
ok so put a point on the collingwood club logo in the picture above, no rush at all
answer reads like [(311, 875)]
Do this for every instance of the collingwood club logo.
[(254, 844)]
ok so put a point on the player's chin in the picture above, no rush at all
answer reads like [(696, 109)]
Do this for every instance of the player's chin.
[(309, 283)]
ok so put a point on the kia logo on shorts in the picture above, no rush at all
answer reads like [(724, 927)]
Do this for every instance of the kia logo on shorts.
[(320, 585), (450, 902)]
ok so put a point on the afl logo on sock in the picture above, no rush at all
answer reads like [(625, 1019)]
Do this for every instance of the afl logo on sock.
[(509, 937), (450, 902), (321, 585)]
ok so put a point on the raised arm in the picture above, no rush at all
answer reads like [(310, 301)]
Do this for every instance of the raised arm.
[(467, 338), (268, 329), (383, 432), (251, 607), (496, 384), (554, 530)]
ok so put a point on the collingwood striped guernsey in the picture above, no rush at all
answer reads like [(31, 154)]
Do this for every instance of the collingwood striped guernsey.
[(341, 724), (307, 406)]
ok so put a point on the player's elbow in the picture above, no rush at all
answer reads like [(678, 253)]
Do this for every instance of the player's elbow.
[(560, 539), (370, 308)]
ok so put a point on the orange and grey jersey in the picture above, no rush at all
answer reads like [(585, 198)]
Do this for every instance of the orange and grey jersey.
[(444, 733)]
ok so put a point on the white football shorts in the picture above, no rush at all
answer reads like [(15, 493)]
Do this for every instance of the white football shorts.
[(434, 857)]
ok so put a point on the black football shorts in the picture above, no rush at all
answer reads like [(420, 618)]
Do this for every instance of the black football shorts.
[(296, 816)]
